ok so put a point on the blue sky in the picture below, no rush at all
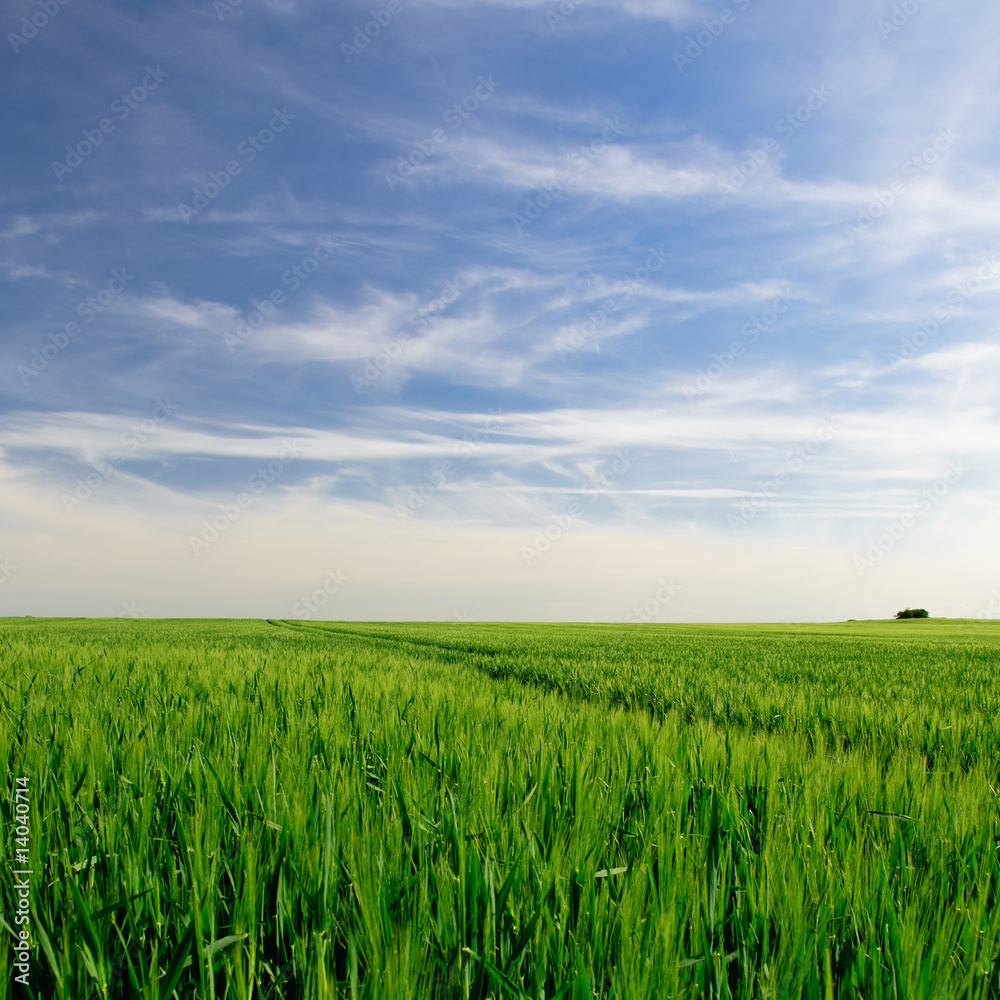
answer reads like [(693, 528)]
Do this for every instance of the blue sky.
[(448, 309)]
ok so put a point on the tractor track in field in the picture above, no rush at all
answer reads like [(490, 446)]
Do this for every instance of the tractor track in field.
[(425, 643)]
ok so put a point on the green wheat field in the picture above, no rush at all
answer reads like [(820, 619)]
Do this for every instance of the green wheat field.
[(271, 809)]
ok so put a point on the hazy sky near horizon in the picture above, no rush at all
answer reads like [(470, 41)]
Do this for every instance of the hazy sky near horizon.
[(524, 309)]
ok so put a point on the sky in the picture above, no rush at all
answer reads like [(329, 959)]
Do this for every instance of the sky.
[(466, 310)]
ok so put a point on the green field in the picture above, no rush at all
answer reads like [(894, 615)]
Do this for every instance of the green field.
[(249, 809)]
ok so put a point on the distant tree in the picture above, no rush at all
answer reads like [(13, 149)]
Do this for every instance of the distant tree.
[(912, 613)]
